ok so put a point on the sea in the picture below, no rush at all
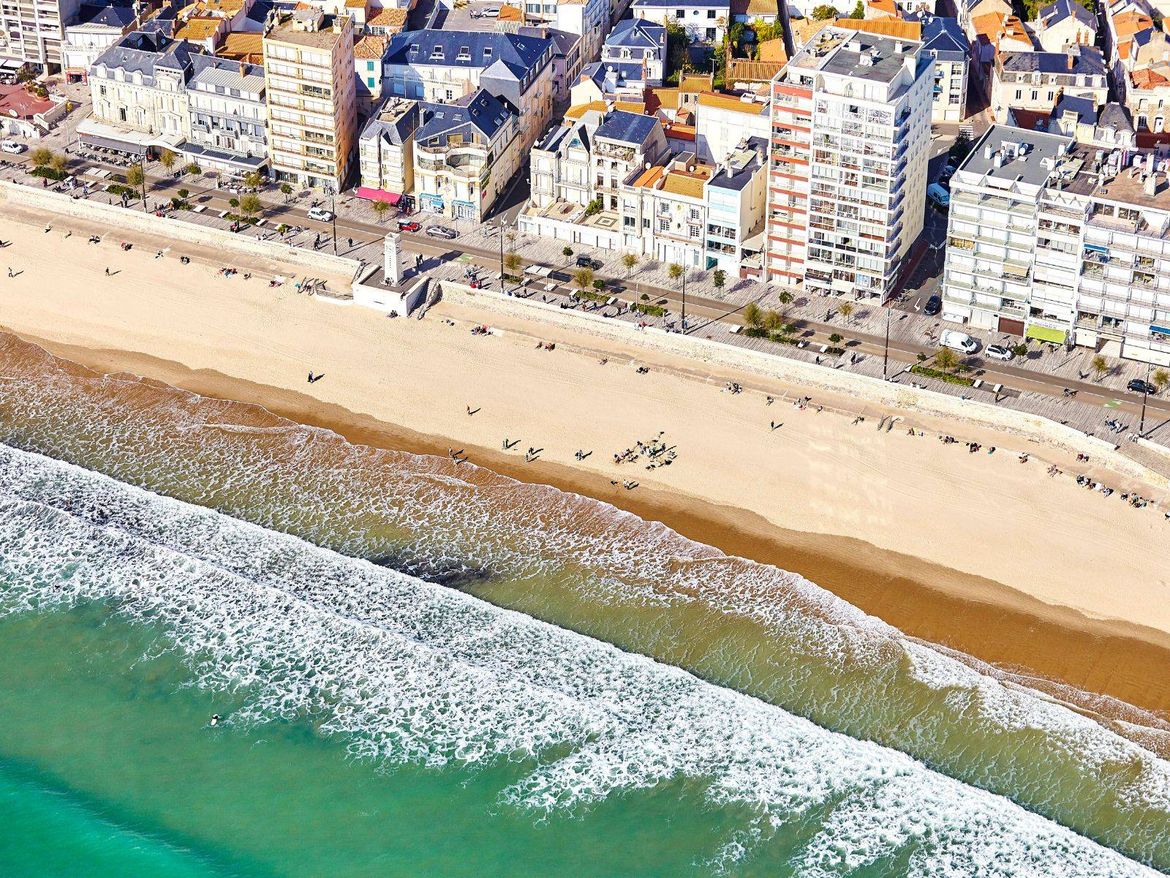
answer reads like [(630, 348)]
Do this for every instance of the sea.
[(233, 645)]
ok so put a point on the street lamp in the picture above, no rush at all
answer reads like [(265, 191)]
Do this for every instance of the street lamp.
[(500, 226), (886, 352), (1145, 396), (684, 300)]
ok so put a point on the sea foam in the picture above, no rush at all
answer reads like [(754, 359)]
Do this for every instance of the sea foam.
[(409, 672)]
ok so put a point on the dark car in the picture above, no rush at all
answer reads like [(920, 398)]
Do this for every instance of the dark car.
[(1137, 385), (588, 262), (408, 226), (933, 306)]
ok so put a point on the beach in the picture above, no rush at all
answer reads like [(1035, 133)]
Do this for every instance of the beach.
[(975, 551)]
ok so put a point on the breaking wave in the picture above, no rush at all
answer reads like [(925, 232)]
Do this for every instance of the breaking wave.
[(410, 672)]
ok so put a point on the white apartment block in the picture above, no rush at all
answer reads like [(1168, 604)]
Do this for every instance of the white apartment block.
[(943, 39), (588, 19), (33, 32), (723, 121), (705, 21), (1063, 243), (848, 165), (308, 67), (229, 124), (95, 30), (386, 152)]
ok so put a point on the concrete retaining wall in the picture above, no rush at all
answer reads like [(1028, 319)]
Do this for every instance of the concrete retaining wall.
[(276, 253), (807, 375)]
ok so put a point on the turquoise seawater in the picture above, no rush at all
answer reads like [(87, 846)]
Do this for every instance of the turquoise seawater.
[(429, 669)]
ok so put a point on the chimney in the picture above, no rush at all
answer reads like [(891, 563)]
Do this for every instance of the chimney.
[(1151, 187)]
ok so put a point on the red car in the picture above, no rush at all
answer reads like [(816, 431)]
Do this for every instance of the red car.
[(409, 227)]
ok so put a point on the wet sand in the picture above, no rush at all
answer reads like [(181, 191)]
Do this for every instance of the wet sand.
[(924, 518)]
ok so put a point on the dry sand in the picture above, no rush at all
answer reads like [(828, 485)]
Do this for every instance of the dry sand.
[(977, 551)]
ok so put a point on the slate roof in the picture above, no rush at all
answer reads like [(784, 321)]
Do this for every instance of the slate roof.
[(111, 15), (518, 54), (944, 38), (223, 72), (617, 72), (145, 53), (479, 112), (1087, 62), (563, 40), (1056, 12), (393, 123), (626, 127), (637, 33)]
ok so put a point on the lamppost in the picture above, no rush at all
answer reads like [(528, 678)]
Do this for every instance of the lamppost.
[(886, 353), (684, 299), (332, 215), (500, 226), (1145, 396)]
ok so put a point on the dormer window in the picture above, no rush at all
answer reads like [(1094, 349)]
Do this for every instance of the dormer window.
[(487, 53), (414, 49), (464, 54), (437, 53)]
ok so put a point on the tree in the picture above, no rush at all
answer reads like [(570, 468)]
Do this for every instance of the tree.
[(594, 206), (675, 271), (1020, 350), (184, 194), (785, 297), (677, 41), (567, 252), (253, 179), (858, 11), (823, 13), (381, 208), (1100, 366), (250, 205), (773, 321), (286, 189), (513, 263), (946, 359), (1161, 378), (167, 159), (583, 278), (193, 168), (719, 278), (752, 315), (836, 338), (41, 156), (59, 163), (629, 260), (233, 203), (846, 310), (135, 175)]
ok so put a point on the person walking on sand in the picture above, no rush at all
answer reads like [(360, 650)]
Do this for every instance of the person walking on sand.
[(107, 272)]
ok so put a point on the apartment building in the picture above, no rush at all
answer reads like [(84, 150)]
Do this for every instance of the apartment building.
[(723, 121), (441, 66), (1061, 242), (95, 29), (386, 153), (848, 165), (588, 19), (705, 21), (638, 41), (309, 72), (944, 41), (465, 155), (664, 210), (138, 89), (1036, 81), (33, 32), (735, 199), (567, 59), (1064, 23), (228, 117)]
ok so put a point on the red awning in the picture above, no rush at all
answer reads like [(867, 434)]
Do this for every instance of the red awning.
[(377, 195)]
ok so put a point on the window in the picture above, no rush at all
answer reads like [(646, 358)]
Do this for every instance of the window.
[(710, 33), (664, 225), (711, 13), (678, 13)]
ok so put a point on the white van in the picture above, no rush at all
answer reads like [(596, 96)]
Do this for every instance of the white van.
[(959, 341), (938, 194)]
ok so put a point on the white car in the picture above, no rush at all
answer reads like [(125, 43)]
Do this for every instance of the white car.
[(12, 146), (959, 341), (490, 12), (320, 214), (999, 352)]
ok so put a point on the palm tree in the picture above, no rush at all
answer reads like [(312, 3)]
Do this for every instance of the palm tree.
[(253, 179), (785, 297), (286, 189), (752, 316), (846, 310), (167, 159), (1161, 378), (583, 278), (946, 359), (381, 208), (1100, 366)]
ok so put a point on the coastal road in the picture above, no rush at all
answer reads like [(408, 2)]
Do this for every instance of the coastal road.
[(701, 311)]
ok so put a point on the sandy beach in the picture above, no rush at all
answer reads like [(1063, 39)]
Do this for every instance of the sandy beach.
[(973, 550)]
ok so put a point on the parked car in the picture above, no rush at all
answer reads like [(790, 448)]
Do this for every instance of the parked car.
[(490, 12), (938, 195), (12, 146), (442, 232), (584, 261), (933, 306), (959, 341), (320, 214), (1137, 385), (999, 352), (409, 226)]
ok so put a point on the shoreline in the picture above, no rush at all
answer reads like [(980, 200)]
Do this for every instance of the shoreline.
[(1029, 642)]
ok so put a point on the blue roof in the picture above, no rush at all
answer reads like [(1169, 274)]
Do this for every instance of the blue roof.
[(616, 72), (479, 111), (483, 49), (637, 33), (110, 15), (626, 127)]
